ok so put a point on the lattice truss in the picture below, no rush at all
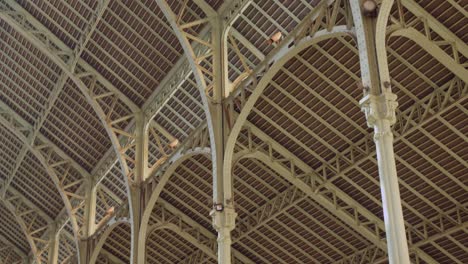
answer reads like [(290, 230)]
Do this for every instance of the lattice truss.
[(98, 97)]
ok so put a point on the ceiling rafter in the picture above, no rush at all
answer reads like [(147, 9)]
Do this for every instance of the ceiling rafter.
[(432, 48), (80, 72), (170, 85), (54, 161), (343, 206), (59, 86), (37, 127), (444, 105), (270, 211), (7, 245), (174, 211), (53, 47), (435, 25), (29, 221)]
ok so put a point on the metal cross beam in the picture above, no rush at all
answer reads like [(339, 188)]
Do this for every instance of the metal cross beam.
[(58, 87), (435, 25), (328, 196), (7, 245), (55, 163), (30, 222)]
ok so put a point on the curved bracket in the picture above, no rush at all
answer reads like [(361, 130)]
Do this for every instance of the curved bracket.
[(174, 162), (191, 239), (286, 55), (380, 40), (431, 48), (102, 239), (17, 212), (54, 163)]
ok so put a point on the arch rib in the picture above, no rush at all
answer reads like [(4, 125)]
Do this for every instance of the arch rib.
[(431, 48), (131, 147), (435, 25), (7, 245), (33, 235), (174, 162), (53, 160), (282, 57), (102, 240)]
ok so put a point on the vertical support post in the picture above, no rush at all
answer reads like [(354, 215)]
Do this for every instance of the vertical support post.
[(379, 104), (90, 209), (90, 221), (223, 213), (380, 114), (136, 190), (53, 246)]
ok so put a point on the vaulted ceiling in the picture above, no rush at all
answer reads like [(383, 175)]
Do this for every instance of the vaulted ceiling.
[(305, 177)]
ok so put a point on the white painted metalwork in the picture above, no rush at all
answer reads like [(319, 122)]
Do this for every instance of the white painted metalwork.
[(160, 144)]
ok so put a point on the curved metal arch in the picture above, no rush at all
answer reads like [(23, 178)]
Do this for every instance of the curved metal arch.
[(68, 65), (174, 162), (380, 40), (262, 84), (435, 51), (86, 78), (186, 236), (17, 127), (206, 52), (24, 228), (238, 156), (190, 53), (103, 238)]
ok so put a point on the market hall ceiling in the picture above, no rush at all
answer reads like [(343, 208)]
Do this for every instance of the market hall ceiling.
[(77, 77)]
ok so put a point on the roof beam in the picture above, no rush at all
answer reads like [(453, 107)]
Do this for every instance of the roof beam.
[(58, 87), (29, 203), (174, 211), (54, 161), (169, 85), (7, 242), (435, 25), (271, 210), (327, 195), (40, 36), (23, 126), (432, 48), (93, 85), (111, 258), (37, 127), (374, 254), (29, 222)]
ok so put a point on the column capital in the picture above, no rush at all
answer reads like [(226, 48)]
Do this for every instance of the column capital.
[(224, 220), (379, 107)]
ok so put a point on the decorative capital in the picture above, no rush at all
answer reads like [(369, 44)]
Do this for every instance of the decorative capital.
[(379, 107), (224, 220)]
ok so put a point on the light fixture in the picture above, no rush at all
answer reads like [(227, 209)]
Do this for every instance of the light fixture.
[(369, 8), (174, 144), (110, 210), (275, 38), (219, 207)]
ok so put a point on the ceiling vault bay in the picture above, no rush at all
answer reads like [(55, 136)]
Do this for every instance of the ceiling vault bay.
[(113, 150)]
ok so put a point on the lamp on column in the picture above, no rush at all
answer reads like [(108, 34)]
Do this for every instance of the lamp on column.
[(219, 207), (369, 8), (174, 144)]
